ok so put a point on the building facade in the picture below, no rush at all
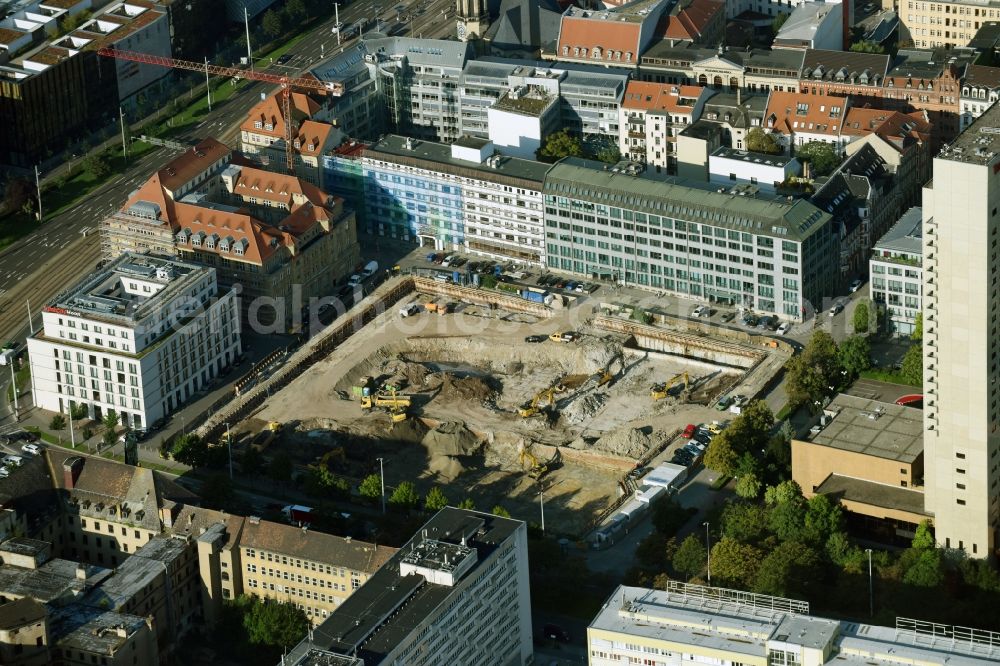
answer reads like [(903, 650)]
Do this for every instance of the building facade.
[(737, 247), (138, 337), (651, 116), (457, 593), (960, 302), (896, 269)]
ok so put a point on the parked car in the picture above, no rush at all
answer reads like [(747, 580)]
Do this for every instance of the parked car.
[(700, 311), (723, 403), (750, 320), (556, 633), (836, 309), (12, 461), (728, 316), (442, 277), (32, 449), (535, 338), (689, 431), (784, 328), (855, 285), (4, 472)]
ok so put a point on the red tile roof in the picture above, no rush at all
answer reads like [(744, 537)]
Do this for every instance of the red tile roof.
[(269, 112), (618, 39), (312, 136), (648, 96), (691, 21), (190, 164), (797, 113), (892, 126)]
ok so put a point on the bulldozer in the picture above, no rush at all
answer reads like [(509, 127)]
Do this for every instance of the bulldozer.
[(661, 391), (537, 468), (398, 414), (534, 406)]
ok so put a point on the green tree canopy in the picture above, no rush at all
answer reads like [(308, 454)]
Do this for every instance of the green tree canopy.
[(500, 511), (275, 624), (861, 317), (321, 482), (58, 422), (822, 157), (689, 558), (759, 141), (778, 21), (783, 493), (404, 496), (189, 449), (865, 46), (748, 485), (783, 571), (110, 419), (923, 537), (854, 354), (608, 155), (435, 500), (923, 568), (468, 503), (721, 455), (823, 518), (371, 487), (273, 23), (98, 165), (913, 365), (918, 327), (811, 373), (735, 563), (559, 145), (746, 522)]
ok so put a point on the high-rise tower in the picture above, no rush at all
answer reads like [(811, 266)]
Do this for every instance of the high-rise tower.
[(961, 339)]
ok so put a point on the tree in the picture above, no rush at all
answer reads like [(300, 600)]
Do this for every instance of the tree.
[(404, 496), (918, 327), (913, 365), (371, 487), (435, 500), (189, 449), (252, 462), (98, 166), (861, 316), (108, 439), (608, 155), (295, 11), (865, 46), (468, 504), (823, 518), (280, 468), (759, 141), (58, 422), (272, 23), (746, 522), (321, 482), (275, 624), (791, 563), (787, 491), (500, 511), (78, 411), (821, 157), (559, 145), (812, 372), (734, 562), (924, 568), (787, 521), (752, 428), (689, 558), (777, 22), (748, 486), (217, 490), (854, 354), (923, 537), (16, 192), (721, 456), (110, 419)]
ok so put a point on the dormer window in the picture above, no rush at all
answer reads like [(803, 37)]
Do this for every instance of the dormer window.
[(258, 124), (565, 50), (269, 127), (628, 57), (196, 239), (596, 53), (576, 51)]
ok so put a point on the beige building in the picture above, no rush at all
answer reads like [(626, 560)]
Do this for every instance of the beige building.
[(24, 633), (88, 636), (961, 234), (948, 24), (869, 456)]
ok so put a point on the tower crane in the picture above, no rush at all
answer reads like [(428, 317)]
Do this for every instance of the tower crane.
[(287, 83)]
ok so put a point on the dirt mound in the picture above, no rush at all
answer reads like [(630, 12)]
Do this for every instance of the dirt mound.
[(415, 373), (444, 469), (627, 442), (451, 439), (582, 409), (473, 389), (411, 431)]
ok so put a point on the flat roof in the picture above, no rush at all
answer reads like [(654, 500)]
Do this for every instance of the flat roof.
[(906, 235), (873, 428), (136, 572), (873, 494), (389, 606), (873, 389), (532, 102), (432, 155), (752, 158), (94, 630), (693, 201), (24, 546), (49, 582), (979, 143)]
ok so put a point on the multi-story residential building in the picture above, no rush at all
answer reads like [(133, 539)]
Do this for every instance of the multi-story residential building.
[(961, 232), (758, 252), (734, 114), (798, 118), (813, 25), (460, 197), (283, 240), (698, 21), (844, 73), (941, 24), (697, 624), (68, 68), (521, 119), (138, 337), (614, 37), (929, 81), (768, 7), (262, 134), (651, 115), (728, 167), (896, 268), (24, 633), (457, 593), (980, 89)]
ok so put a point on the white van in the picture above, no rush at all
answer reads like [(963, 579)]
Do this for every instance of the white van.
[(369, 269), (409, 310)]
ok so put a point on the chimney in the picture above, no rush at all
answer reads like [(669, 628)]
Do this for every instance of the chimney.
[(71, 471), (81, 572), (739, 95)]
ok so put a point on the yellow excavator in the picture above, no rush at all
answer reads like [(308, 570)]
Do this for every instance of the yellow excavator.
[(661, 391), (537, 468), (390, 400), (398, 414), (534, 405)]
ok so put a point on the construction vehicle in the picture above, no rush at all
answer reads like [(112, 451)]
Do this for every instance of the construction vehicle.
[(537, 469), (661, 391), (263, 439), (388, 400), (287, 84), (398, 414), (534, 405)]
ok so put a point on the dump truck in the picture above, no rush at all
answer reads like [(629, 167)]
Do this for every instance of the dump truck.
[(265, 437), (385, 400)]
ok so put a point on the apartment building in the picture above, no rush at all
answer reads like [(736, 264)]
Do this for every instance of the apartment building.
[(844, 73), (929, 81), (697, 624), (68, 68), (24, 633), (813, 25), (460, 197), (738, 247), (941, 24), (728, 167), (457, 593), (896, 268), (902, 141), (798, 118), (651, 116), (280, 238), (614, 37), (980, 89), (960, 302), (138, 337)]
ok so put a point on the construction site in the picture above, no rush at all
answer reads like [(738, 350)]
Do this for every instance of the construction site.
[(463, 401)]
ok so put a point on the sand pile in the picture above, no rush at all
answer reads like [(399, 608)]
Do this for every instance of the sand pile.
[(626, 442), (451, 438), (411, 431), (472, 389), (582, 409)]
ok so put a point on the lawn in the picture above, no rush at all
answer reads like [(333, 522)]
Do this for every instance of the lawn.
[(889, 376), (22, 377)]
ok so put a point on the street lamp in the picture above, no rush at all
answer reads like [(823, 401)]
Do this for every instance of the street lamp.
[(13, 382), (229, 446), (381, 473), (871, 585), (708, 552)]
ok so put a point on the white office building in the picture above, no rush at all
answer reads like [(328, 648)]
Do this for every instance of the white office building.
[(961, 340), (896, 269), (139, 336), (457, 593)]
